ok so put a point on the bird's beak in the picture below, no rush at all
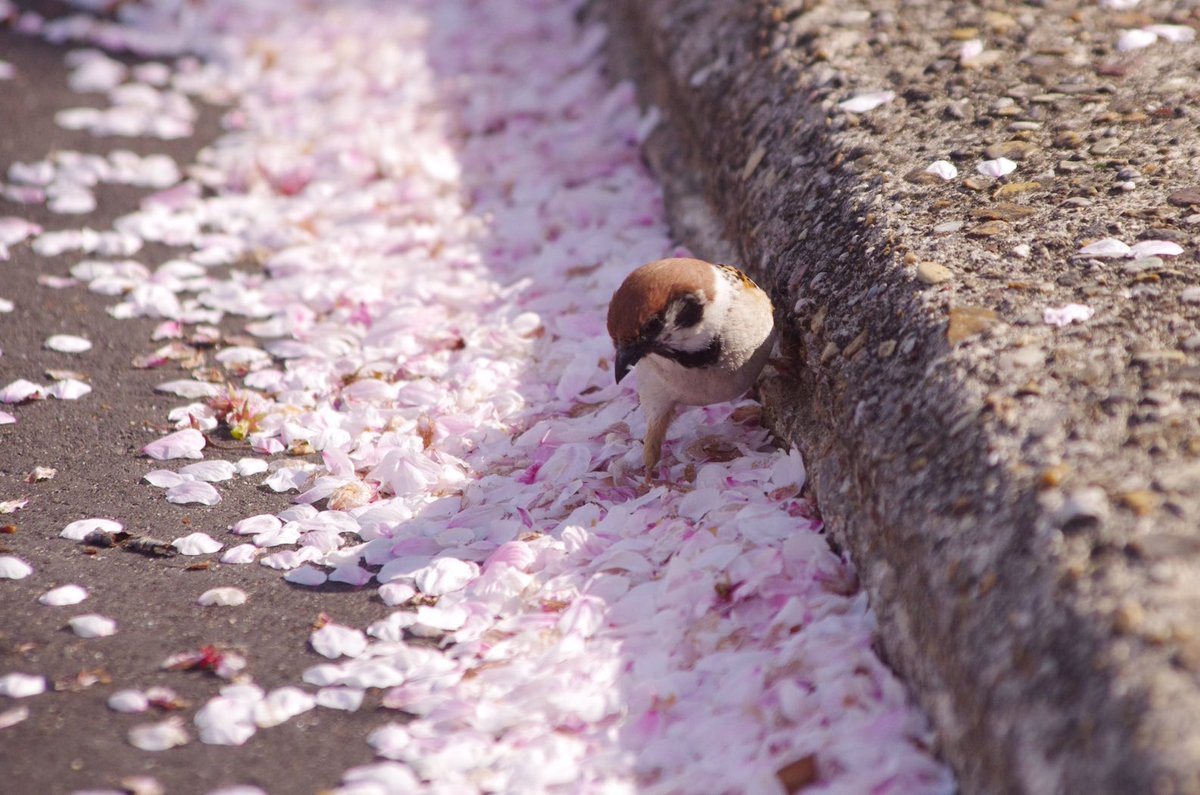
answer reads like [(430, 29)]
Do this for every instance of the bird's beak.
[(627, 356)]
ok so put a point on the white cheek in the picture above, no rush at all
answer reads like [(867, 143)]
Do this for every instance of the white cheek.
[(712, 322)]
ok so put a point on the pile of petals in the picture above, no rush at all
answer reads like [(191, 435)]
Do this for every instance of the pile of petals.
[(443, 196)]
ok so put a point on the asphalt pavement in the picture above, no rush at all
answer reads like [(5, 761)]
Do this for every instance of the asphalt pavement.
[(71, 739)]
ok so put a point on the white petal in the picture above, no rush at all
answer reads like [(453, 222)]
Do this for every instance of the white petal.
[(334, 640), (282, 705), (63, 595), (93, 626), (225, 597), (1066, 315), (999, 167), (1155, 248), (17, 685), (197, 544), (129, 701), (13, 716), (163, 478), (187, 388), (159, 736), (253, 525), (1135, 39), (193, 491), (862, 103), (21, 390), (242, 553), (182, 444), (344, 698), (445, 575), (68, 343), (307, 576), (251, 466), (80, 528), (1176, 34), (211, 471), (69, 389), (942, 168), (13, 568), (1108, 247)]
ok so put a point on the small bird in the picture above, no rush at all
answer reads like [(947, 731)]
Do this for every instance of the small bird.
[(699, 333)]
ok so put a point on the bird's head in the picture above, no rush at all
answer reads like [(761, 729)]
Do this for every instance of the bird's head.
[(671, 308)]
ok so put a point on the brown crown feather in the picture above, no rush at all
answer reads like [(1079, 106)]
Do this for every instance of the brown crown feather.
[(647, 291)]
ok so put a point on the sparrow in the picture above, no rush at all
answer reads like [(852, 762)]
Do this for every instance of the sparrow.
[(698, 333)]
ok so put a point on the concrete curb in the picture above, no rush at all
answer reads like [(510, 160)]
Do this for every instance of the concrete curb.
[(1028, 557)]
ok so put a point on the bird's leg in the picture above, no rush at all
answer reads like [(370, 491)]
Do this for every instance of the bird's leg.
[(656, 431)]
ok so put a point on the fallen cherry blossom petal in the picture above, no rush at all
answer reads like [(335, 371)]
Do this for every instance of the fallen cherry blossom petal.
[(942, 168), (68, 343), (1130, 40), (250, 466), (191, 390), (13, 568), (445, 575), (189, 492), (81, 528), (18, 685), (240, 554), (69, 389), (130, 701), (6, 418), (92, 626), (63, 595), (161, 736), (1176, 34), (20, 391), (210, 471), (307, 576), (13, 716), (182, 444), (225, 597), (999, 167), (282, 705), (1066, 315), (334, 640), (348, 699), (862, 103), (1107, 247), (1155, 248), (197, 544)]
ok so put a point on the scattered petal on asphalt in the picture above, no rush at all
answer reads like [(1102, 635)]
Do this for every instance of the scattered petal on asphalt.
[(942, 168), (182, 444), (18, 685), (93, 626), (81, 528), (225, 597), (129, 701), (64, 595), (1107, 247), (1155, 248), (13, 716), (159, 736), (334, 640), (193, 491), (863, 103), (197, 544), (13, 568), (999, 167)]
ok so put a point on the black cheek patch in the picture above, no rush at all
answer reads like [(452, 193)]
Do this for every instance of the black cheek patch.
[(702, 358), (689, 314)]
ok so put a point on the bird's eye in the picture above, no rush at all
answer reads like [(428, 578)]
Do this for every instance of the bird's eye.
[(689, 314), (652, 329)]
